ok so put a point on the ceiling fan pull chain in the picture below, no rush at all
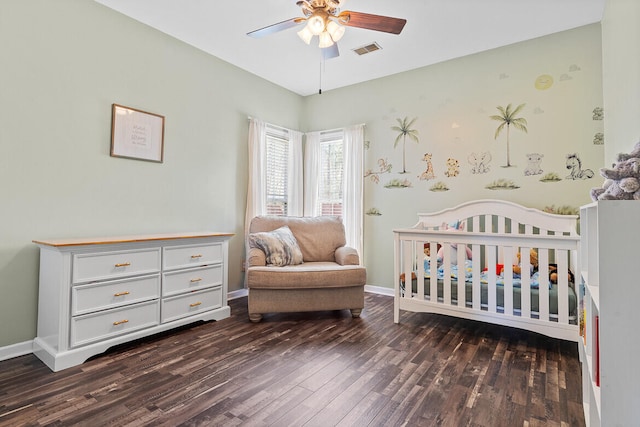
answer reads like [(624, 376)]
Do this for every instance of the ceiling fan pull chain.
[(320, 79)]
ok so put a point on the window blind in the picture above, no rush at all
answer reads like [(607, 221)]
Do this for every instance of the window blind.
[(331, 174), (276, 171)]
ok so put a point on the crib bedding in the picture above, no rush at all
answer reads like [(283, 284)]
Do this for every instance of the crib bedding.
[(517, 297)]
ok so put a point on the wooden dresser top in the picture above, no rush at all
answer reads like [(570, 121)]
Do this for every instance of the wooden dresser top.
[(128, 239)]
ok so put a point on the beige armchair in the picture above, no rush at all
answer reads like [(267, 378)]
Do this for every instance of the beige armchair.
[(329, 277)]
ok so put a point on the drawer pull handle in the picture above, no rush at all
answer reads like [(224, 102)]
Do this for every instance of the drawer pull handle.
[(196, 256), (119, 294), (120, 322), (195, 304), (199, 279), (123, 264)]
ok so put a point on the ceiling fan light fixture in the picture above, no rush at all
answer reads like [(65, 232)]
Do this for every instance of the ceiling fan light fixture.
[(316, 24), (306, 35), (336, 31), (325, 40)]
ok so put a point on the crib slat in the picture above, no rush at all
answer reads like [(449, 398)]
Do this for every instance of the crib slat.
[(525, 283), (433, 279), (407, 267), (419, 251), (563, 286), (508, 281), (397, 253), (462, 250), (475, 285), (491, 278), (543, 289), (476, 223), (446, 266)]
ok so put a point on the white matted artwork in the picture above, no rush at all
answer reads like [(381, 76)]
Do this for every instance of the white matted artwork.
[(136, 134)]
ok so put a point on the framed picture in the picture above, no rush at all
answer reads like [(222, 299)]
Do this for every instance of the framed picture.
[(136, 134)]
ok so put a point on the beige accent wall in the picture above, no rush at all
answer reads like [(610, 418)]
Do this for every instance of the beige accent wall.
[(63, 64), (558, 77)]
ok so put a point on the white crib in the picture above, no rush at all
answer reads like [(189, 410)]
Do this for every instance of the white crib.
[(494, 231)]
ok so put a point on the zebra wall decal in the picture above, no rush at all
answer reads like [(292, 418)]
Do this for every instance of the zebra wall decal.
[(575, 165)]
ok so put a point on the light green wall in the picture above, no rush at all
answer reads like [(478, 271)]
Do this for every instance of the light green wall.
[(62, 64), (466, 92), (621, 76)]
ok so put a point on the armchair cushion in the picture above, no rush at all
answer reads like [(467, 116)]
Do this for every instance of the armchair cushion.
[(318, 237), (346, 255), (279, 246)]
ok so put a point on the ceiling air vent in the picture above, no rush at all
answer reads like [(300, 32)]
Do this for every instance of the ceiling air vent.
[(367, 49)]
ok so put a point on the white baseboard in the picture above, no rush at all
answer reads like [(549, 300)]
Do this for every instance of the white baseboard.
[(15, 350), (379, 290), (237, 294)]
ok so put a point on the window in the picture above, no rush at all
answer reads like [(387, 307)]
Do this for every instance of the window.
[(277, 144), (331, 175), (328, 181)]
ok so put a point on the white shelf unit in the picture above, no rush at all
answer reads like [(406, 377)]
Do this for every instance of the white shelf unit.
[(610, 271), (96, 293)]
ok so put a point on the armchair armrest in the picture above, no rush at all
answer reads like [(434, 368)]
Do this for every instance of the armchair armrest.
[(346, 255), (256, 258)]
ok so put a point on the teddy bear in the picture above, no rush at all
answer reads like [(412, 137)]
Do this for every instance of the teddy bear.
[(622, 181), (533, 262)]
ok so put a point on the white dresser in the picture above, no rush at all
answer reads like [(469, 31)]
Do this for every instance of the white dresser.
[(96, 293)]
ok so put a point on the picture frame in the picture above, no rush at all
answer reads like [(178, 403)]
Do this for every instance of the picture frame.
[(137, 134)]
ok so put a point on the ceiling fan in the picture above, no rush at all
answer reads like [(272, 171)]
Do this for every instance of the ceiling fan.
[(325, 19)]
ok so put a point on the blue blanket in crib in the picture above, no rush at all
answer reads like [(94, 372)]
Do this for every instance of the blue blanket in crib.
[(484, 276)]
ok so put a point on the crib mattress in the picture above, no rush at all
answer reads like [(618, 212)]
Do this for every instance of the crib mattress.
[(484, 298)]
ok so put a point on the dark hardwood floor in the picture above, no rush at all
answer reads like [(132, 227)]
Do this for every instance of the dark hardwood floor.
[(311, 369)]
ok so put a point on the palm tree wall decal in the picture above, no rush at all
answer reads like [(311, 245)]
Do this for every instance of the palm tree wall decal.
[(404, 130), (507, 117)]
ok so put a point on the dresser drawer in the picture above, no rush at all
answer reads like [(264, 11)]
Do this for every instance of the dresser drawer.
[(114, 293), (106, 324), (192, 255), (193, 279), (110, 265), (177, 307)]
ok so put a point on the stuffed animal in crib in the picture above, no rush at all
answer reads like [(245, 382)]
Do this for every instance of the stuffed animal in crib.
[(454, 226), (553, 274), (533, 262), (622, 181), (427, 249)]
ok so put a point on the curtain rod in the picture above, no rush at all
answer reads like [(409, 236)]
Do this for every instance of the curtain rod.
[(337, 129), (321, 131), (274, 126)]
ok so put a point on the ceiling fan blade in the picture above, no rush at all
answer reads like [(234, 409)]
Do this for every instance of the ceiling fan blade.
[(330, 52), (368, 21), (280, 26)]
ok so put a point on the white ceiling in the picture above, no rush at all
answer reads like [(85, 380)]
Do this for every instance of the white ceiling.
[(436, 30)]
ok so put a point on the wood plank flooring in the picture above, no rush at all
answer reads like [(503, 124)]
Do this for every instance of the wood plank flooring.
[(309, 369)]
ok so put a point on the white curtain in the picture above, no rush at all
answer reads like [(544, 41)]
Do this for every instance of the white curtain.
[(295, 190), (352, 203), (311, 173), (256, 191)]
